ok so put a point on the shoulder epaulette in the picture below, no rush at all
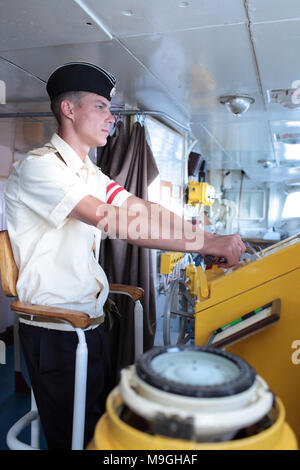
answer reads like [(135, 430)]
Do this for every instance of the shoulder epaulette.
[(40, 152)]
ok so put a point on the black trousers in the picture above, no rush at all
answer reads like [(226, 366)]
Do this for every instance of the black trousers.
[(50, 359)]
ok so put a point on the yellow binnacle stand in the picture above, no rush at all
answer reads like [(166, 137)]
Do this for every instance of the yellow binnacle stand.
[(191, 398)]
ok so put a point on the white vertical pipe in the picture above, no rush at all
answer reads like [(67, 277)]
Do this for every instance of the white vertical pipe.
[(80, 391), (17, 355), (138, 329), (2, 352)]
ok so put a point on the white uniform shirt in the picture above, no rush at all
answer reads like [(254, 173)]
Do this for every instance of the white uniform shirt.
[(54, 253)]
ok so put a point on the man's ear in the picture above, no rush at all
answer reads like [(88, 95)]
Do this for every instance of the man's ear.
[(67, 109)]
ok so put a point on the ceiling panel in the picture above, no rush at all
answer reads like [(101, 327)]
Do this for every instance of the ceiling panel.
[(20, 86), (242, 140), (167, 15), (239, 133), (247, 144), (198, 66), (135, 85), (273, 10), (277, 48), (170, 59), (33, 23)]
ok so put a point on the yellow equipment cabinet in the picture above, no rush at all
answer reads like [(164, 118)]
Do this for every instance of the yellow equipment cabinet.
[(271, 351)]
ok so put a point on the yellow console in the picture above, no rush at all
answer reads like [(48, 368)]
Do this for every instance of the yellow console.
[(271, 348)]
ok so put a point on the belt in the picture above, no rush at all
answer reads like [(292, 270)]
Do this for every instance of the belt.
[(94, 321)]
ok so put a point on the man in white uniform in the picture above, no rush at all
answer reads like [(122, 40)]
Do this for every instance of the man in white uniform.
[(58, 203)]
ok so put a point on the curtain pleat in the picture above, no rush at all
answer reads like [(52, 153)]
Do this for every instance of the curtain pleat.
[(132, 165)]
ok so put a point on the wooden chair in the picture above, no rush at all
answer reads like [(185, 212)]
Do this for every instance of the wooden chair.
[(79, 321)]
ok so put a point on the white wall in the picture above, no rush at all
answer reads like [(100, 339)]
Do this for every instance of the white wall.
[(17, 137)]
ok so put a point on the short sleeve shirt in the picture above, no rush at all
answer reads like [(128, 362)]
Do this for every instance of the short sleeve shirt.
[(58, 265)]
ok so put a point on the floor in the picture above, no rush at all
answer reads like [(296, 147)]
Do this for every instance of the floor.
[(14, 405)]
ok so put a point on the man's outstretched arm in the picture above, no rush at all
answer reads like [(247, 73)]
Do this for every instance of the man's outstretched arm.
[(150, 225)]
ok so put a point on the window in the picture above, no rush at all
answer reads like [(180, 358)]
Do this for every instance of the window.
[(292, 206), (167, 148)]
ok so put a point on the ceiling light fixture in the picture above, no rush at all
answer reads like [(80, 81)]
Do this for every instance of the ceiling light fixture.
[(237, 104), (127, 13), (267, 163)]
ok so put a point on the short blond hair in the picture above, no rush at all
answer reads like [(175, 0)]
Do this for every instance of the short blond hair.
[(74, 96)]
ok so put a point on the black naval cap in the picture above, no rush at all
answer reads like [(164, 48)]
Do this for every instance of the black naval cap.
[(81, 76)]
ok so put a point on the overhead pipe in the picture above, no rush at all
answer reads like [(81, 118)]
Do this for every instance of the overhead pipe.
[(122, 112)]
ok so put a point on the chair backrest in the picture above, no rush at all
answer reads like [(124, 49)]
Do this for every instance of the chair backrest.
[(8, 268)]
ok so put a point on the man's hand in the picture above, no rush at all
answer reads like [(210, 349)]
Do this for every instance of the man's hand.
[(229, 247)]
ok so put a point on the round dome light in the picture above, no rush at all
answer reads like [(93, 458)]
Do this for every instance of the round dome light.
[(235, 104)]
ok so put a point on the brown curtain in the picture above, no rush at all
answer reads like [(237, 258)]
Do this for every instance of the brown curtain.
[(130, 162)]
